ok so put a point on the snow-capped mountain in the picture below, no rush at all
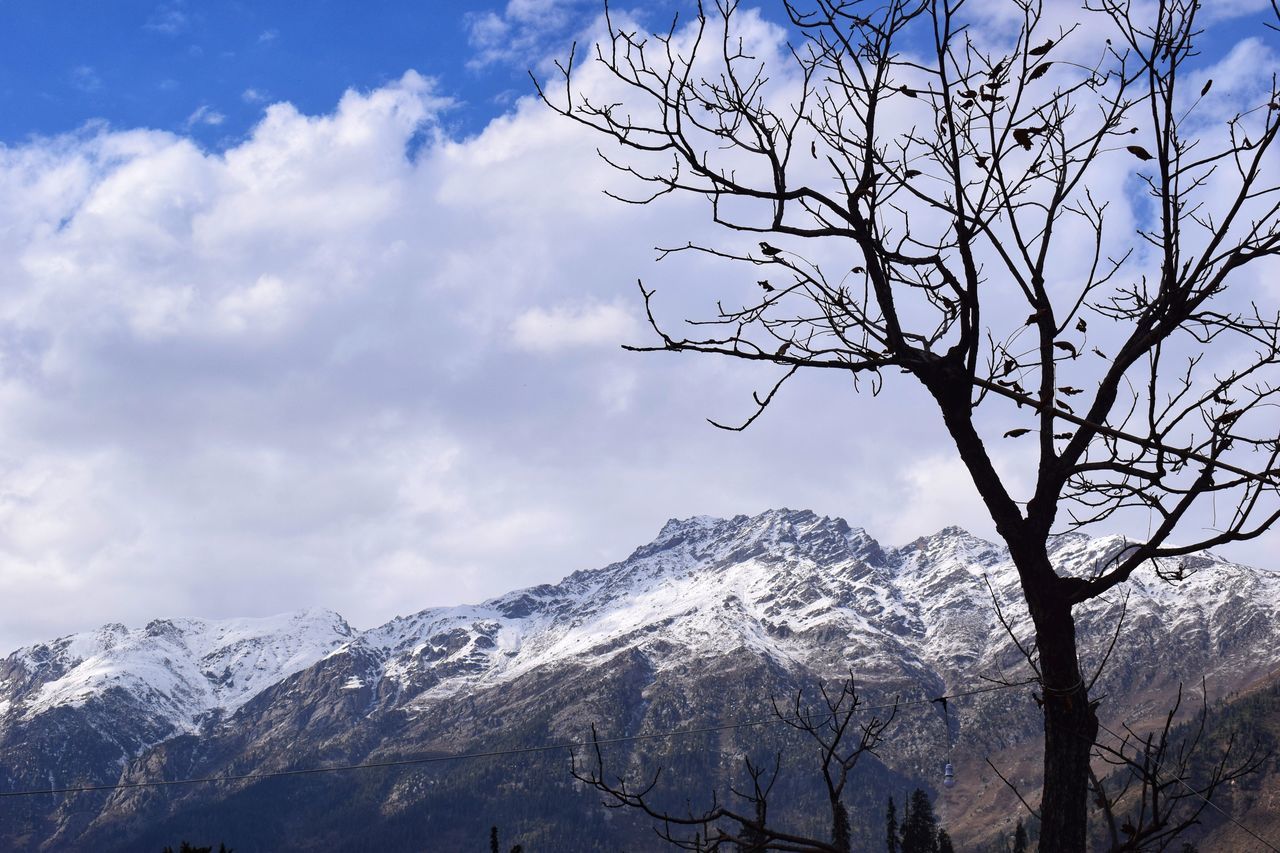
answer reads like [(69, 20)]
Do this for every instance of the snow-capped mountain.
[(802, 590), (698, 626), (181, 672)]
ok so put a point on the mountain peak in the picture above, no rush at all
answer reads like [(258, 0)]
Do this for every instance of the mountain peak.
[(950, 535), (681, 527), (951, 545), (773, 531)]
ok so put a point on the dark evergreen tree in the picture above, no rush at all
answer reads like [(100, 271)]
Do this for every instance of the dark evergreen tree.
[(1020, 839), (493, 842), (944, 842), (919, 831), (891, 828)]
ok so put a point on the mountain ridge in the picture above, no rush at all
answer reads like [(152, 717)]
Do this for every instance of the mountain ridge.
[(753, 604), (927, 571)]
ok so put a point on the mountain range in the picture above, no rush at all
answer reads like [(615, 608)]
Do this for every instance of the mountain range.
[(698, 628)]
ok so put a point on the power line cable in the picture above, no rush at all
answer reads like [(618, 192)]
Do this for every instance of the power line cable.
[(1156, 772), (494, 753)]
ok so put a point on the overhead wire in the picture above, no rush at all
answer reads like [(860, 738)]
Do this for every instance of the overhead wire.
[(1156, 772), (495, 753)]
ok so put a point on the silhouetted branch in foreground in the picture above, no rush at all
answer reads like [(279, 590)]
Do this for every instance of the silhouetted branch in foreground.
[(829, 719)]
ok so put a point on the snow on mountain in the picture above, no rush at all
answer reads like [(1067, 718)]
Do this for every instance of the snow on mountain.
[(700, 625), (709, 586), (182, 671), (791, 587)]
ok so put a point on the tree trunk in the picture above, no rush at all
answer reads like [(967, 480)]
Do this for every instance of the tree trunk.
[(841, 834), (1070, 727)]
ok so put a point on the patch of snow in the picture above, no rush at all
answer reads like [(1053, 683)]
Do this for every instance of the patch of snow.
[(183, 669)]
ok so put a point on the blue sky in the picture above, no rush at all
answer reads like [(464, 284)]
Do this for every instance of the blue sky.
[(254, 358), (207, 69), (139, 64)]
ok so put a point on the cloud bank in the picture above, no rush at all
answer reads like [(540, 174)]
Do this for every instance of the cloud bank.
[(353, 362)]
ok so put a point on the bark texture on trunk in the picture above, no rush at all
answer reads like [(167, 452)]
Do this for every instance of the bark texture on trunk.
[(841, 834), (1070, 728)]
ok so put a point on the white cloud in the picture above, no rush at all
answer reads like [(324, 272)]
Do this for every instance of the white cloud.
[(85, 78), (261, 379), (206, 115), (168, 19), (315, 365), (1237, 85), (618, 387), (574, 326), (525, 30), (263, 305), (932, 490), (1223, 9)]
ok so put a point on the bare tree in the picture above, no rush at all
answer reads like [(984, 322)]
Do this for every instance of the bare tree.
[(829, 723), (1165, 782), (955, 174)]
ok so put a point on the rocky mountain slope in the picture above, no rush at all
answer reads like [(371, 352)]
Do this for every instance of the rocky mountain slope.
[(699, 626)]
